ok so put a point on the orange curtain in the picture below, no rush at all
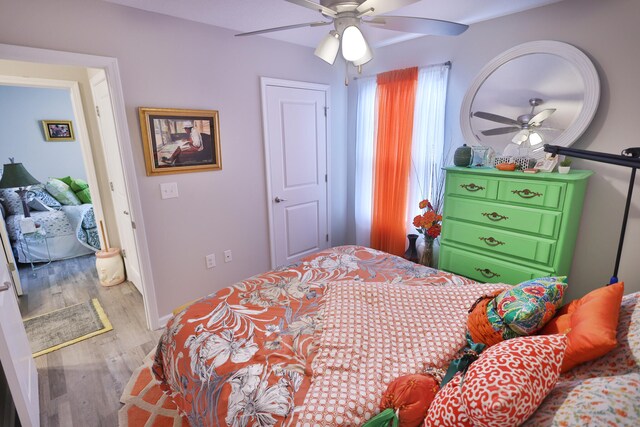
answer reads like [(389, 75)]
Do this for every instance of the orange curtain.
[(392, 163)]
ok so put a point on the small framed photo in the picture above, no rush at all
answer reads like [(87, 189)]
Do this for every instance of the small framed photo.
[(179, 141), (58, 130), (547, 164)]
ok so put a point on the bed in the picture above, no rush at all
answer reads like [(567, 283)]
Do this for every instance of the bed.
[(70, 232), (317, 343)]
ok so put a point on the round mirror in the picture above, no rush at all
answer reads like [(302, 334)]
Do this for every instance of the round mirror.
[(542, 92)]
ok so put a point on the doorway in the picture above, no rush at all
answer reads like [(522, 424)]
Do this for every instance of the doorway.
[(295, 125), (44, 60)]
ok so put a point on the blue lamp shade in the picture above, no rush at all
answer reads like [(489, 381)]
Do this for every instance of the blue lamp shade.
[(14, 175)]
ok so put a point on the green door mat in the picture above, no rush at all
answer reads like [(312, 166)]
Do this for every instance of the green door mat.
[(69, 325)]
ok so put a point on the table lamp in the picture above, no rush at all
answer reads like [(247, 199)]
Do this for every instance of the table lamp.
[(14, 175)]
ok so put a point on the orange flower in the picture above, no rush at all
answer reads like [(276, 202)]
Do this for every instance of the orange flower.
[(434, 231), (417, 221), (423, 204), (428, 218)]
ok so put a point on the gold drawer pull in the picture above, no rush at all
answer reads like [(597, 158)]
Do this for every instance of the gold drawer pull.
[(491, 241), (472, 187), (526, 193), (487, 273), (494, 216)]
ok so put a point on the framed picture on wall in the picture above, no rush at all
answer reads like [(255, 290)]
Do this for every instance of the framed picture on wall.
[(58, 130), (178, 141)]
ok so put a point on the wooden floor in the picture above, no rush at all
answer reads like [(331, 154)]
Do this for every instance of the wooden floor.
[(80, 385)]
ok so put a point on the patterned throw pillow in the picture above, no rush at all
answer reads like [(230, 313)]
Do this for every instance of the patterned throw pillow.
[(62, 192), (527, 307), (39, 193), (11, 201), (447, 409), (510, 380)]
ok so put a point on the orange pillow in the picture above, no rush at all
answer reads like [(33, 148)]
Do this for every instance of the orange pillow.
[(590, 324)]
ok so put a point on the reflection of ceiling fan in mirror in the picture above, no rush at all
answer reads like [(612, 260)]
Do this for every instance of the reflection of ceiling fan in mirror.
[(347, 15), (527, 126)]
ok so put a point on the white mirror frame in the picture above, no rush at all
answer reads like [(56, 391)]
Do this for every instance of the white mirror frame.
[(573, 55)]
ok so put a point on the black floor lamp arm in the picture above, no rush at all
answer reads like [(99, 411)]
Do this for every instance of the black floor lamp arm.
[(631, 159)]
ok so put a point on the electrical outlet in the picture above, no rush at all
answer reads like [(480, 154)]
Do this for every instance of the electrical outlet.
[(227, 256), (211, 260), (169, 190)]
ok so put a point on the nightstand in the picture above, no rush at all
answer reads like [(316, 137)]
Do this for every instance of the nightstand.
[(32, 240)]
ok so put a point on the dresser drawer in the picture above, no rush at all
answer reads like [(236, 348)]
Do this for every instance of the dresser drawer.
[(472, 186), (534, 193), (499, 215), (485, 269), (526, 247)]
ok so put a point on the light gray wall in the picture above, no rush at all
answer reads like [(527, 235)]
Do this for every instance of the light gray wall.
[(608, 32), (167, 62), (22, 110)]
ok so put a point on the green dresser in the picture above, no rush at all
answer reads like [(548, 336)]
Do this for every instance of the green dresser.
[(510, 227)]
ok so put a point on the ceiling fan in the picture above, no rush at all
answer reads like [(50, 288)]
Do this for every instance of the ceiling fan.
[(527, 125), (347, 15)]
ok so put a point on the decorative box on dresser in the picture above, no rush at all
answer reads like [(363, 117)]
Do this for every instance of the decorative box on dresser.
[(510, 227)]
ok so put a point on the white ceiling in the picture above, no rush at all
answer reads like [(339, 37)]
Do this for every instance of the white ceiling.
[(251, 15)]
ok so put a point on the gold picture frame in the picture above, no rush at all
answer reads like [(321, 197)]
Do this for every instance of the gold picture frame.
[(179, 140), (58, 130)]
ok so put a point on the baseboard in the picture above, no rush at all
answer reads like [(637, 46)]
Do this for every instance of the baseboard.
[(162, 322)]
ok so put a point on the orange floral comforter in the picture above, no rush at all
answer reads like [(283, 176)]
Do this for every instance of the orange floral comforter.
[(243, 356)]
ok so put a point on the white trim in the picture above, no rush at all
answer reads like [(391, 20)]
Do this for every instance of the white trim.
[(264, 83), (162, 322), (571, 54), (110, 66)]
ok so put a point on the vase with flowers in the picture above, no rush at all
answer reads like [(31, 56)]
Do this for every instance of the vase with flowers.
[(429, 224)]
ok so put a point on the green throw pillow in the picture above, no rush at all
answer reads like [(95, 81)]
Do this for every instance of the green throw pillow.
[(67, 180), (84, 195), (62, 192), (78, 185)]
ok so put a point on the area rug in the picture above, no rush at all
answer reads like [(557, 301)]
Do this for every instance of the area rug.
[(60, 328), (145, 405)]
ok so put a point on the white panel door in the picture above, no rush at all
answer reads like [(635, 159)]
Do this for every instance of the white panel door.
[(115, 171), (296, 140), (15, 355)]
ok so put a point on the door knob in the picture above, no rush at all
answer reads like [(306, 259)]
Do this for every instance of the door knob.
[(279, 200), (125, 212), (5, 286)]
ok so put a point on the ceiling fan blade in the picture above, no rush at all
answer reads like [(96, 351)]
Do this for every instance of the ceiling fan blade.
[(416, 25), (499, 131), (286, 27), (542, 116), (377, 7), (315, 6), (496, 118)]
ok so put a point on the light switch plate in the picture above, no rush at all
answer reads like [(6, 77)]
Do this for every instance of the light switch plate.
[(228, 257), (169, 190), (210, 260)]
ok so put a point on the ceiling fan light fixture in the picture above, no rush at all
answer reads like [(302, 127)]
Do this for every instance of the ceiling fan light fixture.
[(535, 138), (520, 137), (354, 46), (368, 56), (328, 48)]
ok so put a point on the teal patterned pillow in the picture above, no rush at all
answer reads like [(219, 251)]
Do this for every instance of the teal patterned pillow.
[(38, 196), (527, 307), (498, 324), (62, 192)]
